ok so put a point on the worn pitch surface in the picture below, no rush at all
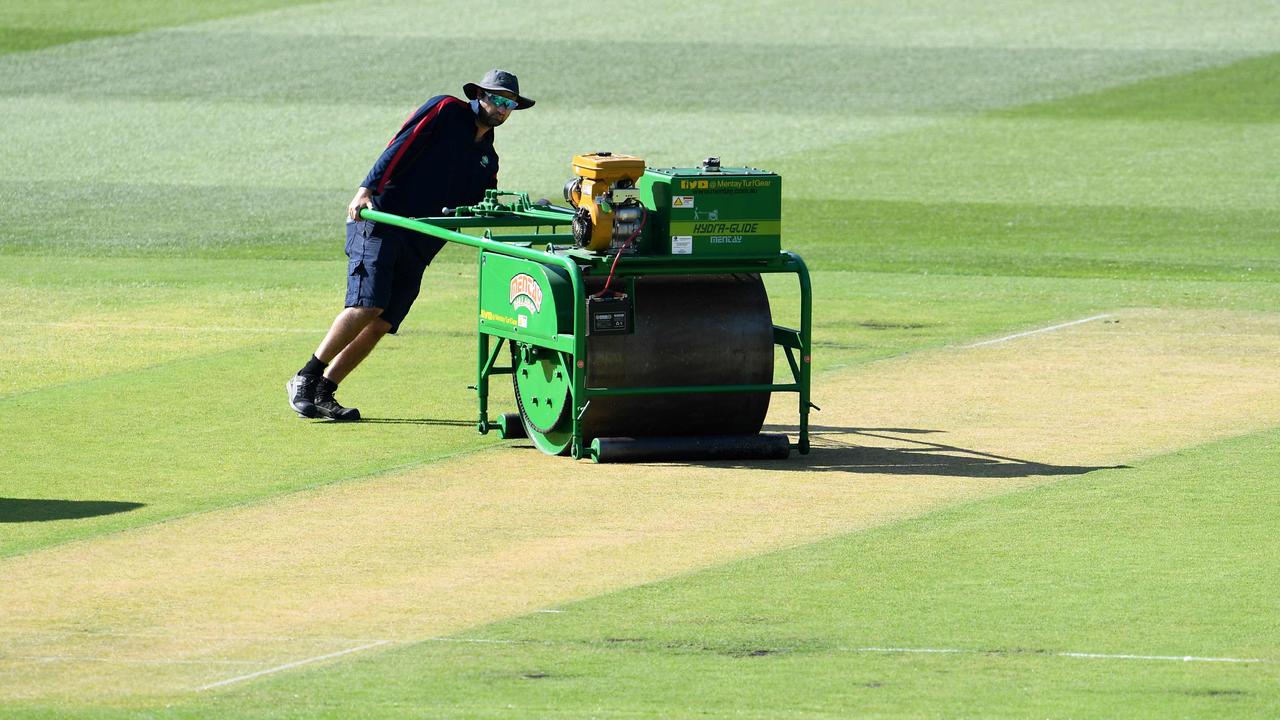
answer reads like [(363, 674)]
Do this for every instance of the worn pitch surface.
[(174, 607)]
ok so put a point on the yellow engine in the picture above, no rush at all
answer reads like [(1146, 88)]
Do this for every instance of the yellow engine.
[(604, 193)]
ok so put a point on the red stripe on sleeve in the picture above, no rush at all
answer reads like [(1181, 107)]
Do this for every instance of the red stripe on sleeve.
[(426, 120), (402, 127)]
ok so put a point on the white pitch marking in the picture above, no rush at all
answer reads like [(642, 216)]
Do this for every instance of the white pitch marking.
[(1090, 656), (907, 650), (91, 634), (930, 651), (289, 666), (1181, 658), (481, 640), (124, 661), (155, 328), (551, 611), (1036, 332)]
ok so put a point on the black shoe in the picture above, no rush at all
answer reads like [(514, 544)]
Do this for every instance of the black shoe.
[(302, 394), (327, 406)]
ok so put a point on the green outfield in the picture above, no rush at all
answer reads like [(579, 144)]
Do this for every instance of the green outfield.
[(1073, 522)]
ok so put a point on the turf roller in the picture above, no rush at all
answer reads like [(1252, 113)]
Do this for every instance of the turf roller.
[(637, 325)]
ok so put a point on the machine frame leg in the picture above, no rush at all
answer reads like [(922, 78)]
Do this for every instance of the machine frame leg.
[(806, 350)]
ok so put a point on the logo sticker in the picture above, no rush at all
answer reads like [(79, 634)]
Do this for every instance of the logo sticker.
[(484, 161), (682, 201), (526, 293)]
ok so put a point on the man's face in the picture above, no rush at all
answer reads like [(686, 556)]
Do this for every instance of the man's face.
[(492, 113)]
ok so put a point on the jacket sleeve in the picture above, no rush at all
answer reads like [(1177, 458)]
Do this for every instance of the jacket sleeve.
[(412, 137)]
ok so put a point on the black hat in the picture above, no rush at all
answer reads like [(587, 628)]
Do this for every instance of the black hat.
[(495, 80)]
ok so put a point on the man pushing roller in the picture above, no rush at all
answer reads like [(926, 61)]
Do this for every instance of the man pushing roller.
[(442, 157)]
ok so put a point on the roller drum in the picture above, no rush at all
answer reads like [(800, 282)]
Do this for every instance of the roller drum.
[(689, 330)]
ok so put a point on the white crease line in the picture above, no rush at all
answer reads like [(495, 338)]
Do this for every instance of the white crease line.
[(924, 651), (156, 328), (481, 640), (1090, 656), (930, 651), (124, 661), (1181, 658), (289, 666), (91, 634), (1036, 332)]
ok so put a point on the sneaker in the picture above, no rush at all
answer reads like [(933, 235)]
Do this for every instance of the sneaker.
[(302, 394), (328, 407)]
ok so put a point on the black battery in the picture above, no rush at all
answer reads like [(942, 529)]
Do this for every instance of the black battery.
[(609, 315)]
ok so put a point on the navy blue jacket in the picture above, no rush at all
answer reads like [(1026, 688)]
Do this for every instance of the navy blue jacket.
[(434, 162)]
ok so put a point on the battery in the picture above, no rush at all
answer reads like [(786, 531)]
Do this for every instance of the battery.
[(609, 315)]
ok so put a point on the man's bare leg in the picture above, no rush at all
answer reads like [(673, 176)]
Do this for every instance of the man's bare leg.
[(347, 342), (356, 350), (346, 326)]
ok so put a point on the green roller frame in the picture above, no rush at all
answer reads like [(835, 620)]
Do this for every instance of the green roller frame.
[(563, 340)]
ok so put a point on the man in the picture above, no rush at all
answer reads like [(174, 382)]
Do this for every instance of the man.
[(442, 157)]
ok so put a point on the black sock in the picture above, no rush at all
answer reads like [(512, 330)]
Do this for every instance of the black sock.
[(313, 367)]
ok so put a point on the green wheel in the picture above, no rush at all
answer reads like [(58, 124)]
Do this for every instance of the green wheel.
[(542, 389)]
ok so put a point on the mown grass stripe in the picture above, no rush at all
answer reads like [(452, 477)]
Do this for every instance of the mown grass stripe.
[(58, 22)]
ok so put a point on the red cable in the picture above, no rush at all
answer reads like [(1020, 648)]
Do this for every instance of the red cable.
[(644, 217)]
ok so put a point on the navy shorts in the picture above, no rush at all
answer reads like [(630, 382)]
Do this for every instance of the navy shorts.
[(385, 266)]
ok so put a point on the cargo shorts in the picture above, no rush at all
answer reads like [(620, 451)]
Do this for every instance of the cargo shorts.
[(385, 266)]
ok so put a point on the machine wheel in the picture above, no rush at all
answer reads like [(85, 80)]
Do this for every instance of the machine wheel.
[(542, 383)]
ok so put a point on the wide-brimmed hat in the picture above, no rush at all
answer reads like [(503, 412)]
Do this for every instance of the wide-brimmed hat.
[(494, 81)]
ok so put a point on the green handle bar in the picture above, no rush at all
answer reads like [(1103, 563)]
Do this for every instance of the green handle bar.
[(500, 248), (494, 246)]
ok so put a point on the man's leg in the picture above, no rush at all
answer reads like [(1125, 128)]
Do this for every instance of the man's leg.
[(349, 325), (406, 280), (383, 278), (350, 339), (305, 387), (372, 254), (355, 351)]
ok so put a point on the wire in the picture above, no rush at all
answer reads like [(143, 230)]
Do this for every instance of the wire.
[(644, 216)]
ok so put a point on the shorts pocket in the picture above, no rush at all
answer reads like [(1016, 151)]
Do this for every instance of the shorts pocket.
[(361, 248), (357, 233)]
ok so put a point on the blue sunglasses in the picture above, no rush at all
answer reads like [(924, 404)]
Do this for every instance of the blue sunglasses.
[(505, 103)]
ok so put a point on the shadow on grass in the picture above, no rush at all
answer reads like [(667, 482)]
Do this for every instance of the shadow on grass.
[(18, 510), (414, 421), (836, 449)]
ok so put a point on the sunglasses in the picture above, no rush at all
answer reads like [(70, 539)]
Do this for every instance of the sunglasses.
[(505, 103)]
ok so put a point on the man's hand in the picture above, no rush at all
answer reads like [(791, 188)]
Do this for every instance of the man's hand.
[(360, 201)]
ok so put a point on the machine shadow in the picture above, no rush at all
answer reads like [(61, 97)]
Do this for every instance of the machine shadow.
[(417, 421), (834, 449), (18, 510)]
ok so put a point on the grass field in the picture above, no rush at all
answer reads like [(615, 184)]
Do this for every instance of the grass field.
[(1074, 523)]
